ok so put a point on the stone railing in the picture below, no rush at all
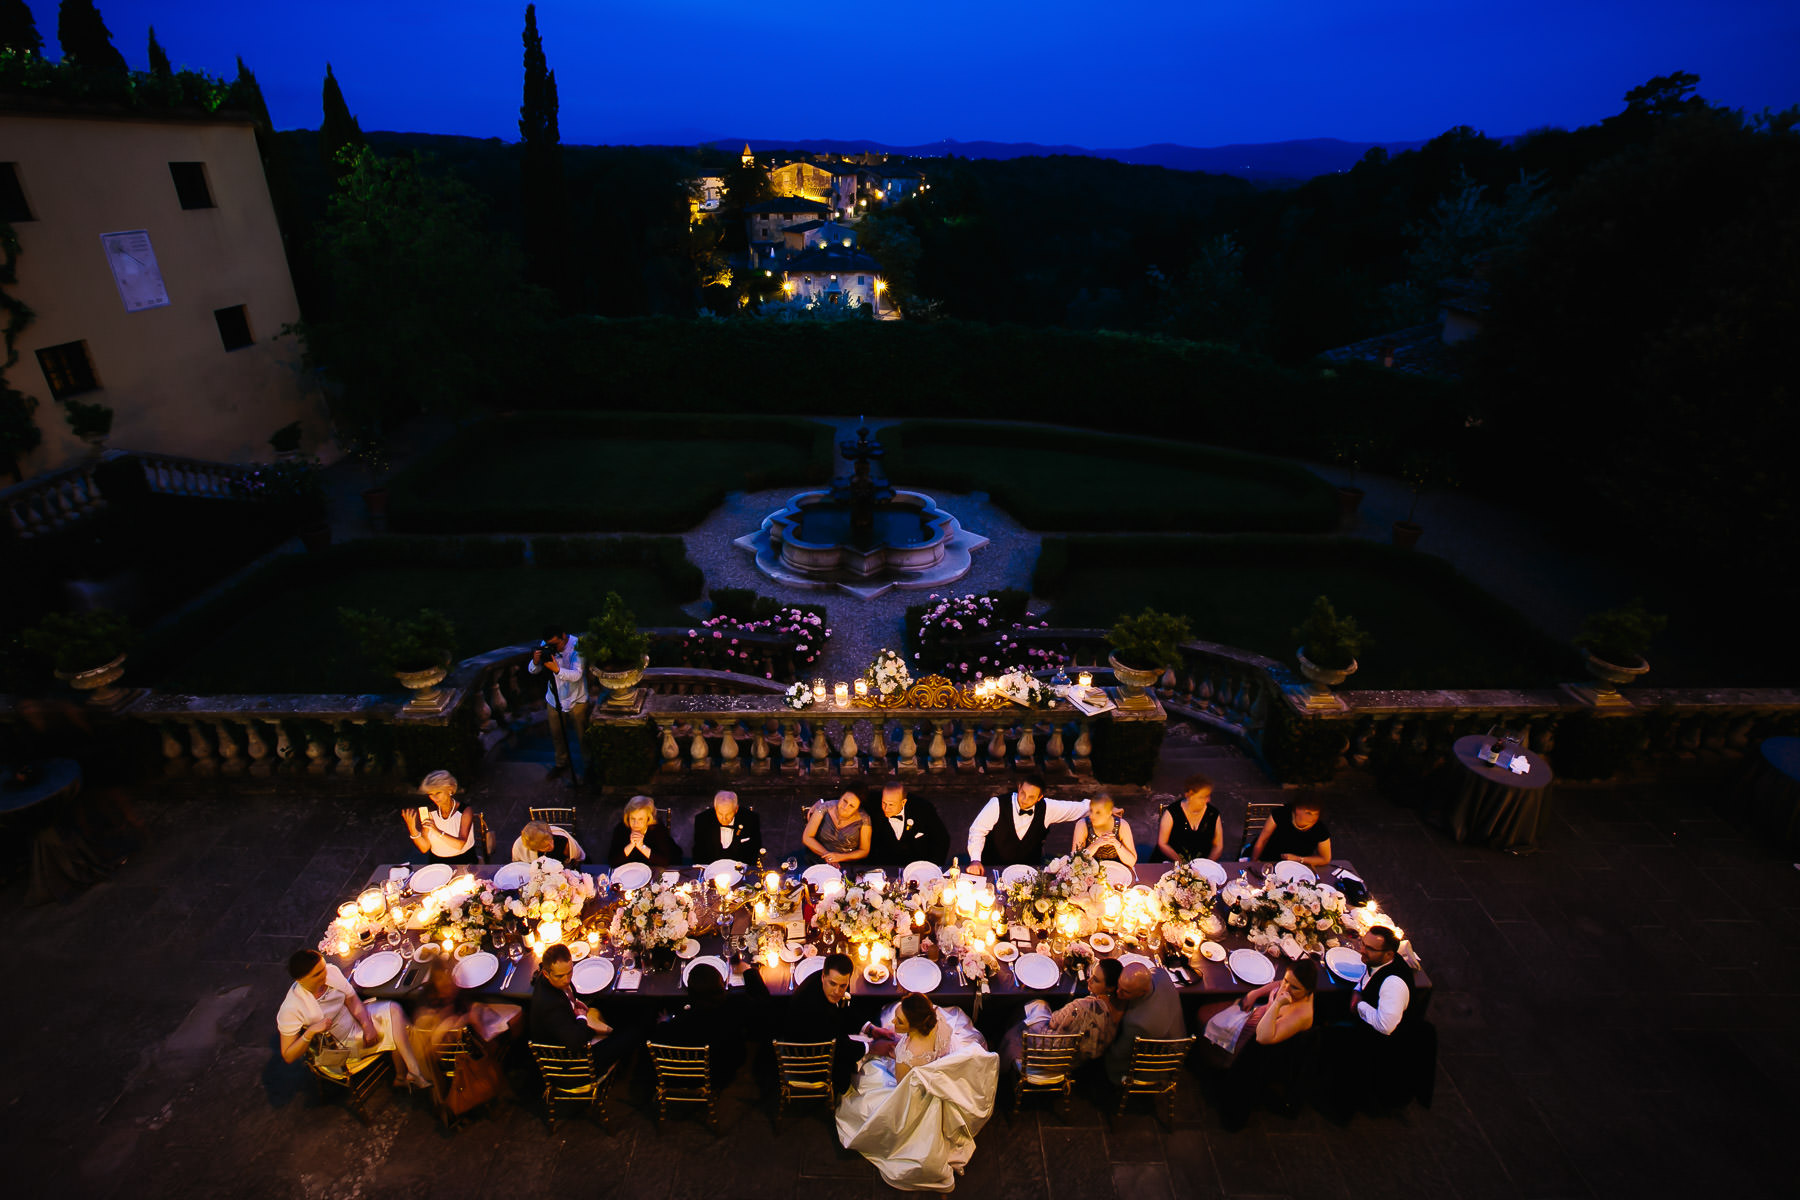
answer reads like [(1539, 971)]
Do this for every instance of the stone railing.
[(770, 652), (170, 475), (45, 503)]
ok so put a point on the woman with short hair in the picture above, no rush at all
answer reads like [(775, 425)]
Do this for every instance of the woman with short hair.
[(442, 829), (640, 837)]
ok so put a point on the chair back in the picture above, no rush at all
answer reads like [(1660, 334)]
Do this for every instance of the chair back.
[(666, 818), (1256, 814), (553, 816), (805, 1065), (682, 1070), (1155, 1062), (565, 1069), (1048, 1058), (450, 1051)]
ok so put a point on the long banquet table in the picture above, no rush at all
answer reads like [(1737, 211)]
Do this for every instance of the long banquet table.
[(1213, 982)]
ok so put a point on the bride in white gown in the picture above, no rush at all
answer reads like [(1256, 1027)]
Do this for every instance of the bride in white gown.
[(915, 1113)]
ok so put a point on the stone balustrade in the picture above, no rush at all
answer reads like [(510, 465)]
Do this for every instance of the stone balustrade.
[(171, 475), (48, 502)]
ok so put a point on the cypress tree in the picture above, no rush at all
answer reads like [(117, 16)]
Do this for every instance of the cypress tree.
[(85, 39), (339, 128), (18, 31), (544, 201), (159, 58)]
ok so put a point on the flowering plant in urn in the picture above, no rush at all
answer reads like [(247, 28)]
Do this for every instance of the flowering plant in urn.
[(1187, 900), (860, 914), (888, 675), (657, 917), (1295, 917)]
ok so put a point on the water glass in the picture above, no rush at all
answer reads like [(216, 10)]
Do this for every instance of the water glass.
[(406, 951), (393, 935), (515, 952)]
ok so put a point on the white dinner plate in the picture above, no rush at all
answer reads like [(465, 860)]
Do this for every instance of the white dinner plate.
[(475, 970), (789, 954), (718, 964), (875, 878), (1018, 872), (1212, 952), (922, 872), (807, 968), (723, 866), (919, 975), (1251, 968), (512, 876), (592, 975), (431, 878), (1037, 971), (819, 874), (1210, 869), (1117, 873), (377, 969), (1102, 943), (631, 876), (1128, 958), (1288, 871), (687, 949), (1345, 963)]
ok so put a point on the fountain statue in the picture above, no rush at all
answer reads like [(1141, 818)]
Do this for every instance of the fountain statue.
[(862, 535)]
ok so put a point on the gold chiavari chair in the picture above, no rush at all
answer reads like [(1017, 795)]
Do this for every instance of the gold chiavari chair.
[(804, 1069)]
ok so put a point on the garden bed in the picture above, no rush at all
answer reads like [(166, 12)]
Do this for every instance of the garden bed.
[(1067, 479), (1432, 628)]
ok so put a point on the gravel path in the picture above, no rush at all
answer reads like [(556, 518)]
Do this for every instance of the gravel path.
[(859, 627)]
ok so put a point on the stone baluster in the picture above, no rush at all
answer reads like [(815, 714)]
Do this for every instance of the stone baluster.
[(878, 747), (909, 750), (996, 748), (1083, 763), (315, 750), (345, 749), (849, 760), (1053, 749), (938, 752), (759, 750), (967, 749), (484, 716), (699, 750), (201, 749), (174, 753), (790, 747), (729, 762), (1025, 752), (821, 749), (286, 752), (671, 751), (260, 764)]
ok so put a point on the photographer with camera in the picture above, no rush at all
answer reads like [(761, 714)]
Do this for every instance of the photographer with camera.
[(565, 696)]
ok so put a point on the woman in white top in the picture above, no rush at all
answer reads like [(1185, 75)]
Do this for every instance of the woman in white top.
[(443, 829)]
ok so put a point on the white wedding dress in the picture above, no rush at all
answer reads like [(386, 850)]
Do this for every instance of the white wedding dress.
[(920, 1133)]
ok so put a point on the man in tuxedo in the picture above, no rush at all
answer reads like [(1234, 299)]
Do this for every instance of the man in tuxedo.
[(726, 830), (560, 1018), (717, 1018), (819, 1011), (907, 830), (1370, 1053)]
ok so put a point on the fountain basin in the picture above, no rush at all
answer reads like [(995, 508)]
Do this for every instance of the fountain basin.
[(910, 543)]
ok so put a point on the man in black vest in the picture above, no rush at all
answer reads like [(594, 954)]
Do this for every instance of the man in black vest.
[(726, 830), (1369, 1051), (997, 840), (906, 830)]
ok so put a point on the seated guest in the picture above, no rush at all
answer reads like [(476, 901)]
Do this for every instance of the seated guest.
[(560, 1018), (908, 830), (1104, 834), (717, 1018), (1152, 1010), (727, 830), (442, 829), (1387, 982), (542, 840), (444, 1010), (1190, 827), (1094, 1016), (1277, 1010), (819, 1011), (321, 1006), (1366, 1053), (1295, 833), (1019, 838), (1272, 1051), (838, 833), (639, 837)]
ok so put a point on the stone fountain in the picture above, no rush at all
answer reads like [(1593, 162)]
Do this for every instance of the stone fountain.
[(862, 535)]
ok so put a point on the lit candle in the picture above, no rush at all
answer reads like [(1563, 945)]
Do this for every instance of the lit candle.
[(862, 688), (550, 932), (772, 881), (761, 910), (1110, 906), (347, 913), (343, 948), (818, 689), (770, 958), (722, 883), (593, 938), (1085, 679), (841, 694), (371, 902), (919, 918), (446, 941), (991, 939)]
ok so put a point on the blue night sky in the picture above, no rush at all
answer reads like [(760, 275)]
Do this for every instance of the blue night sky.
[(1111, 75)]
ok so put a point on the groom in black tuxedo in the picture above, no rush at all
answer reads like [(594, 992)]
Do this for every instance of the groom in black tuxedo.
[(906, 830)]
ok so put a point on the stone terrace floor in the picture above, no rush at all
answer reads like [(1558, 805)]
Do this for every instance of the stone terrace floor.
[(1616, 1017)]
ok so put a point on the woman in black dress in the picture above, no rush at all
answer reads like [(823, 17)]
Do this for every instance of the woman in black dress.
[(640, 837), (1191, 827), (1295, 833)]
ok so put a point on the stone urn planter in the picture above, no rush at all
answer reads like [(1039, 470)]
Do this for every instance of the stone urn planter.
[(98, 682), (1407, 534), (427, 696), (621, 684), (1133, 682), (1323, 676), (1610, 676)]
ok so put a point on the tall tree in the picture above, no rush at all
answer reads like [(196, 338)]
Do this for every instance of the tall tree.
[(18, 31), (338, 129), (543, 194), (159, 58), (85, 39)]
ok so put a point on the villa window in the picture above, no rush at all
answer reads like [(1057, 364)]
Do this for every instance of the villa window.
[(234, 327), (190, 184), (67, 369)]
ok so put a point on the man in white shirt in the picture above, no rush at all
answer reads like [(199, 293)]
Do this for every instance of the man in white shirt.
[(1019, 839), (1387, 981), (321, 1002), (565, 696)]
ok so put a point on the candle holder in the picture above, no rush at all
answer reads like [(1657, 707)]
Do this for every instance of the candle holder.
[(840, 695), (862, 689), (1085, 679), (818, 690)]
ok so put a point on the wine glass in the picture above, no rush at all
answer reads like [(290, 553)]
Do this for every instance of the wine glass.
[(406, 951), (515, 951), (393, 935)]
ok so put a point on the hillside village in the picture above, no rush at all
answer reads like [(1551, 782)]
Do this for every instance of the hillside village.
[(806, 231)]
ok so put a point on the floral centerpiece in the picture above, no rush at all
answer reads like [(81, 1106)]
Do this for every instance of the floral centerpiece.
[(1295, 917), (1187, 900), (888, 675), (798, 695), (860, 914), (1023, 688), (552, 893), (1072, 882), (656, 918), (462, 914)]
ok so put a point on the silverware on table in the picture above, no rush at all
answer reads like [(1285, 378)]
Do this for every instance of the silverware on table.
[(511, 967)]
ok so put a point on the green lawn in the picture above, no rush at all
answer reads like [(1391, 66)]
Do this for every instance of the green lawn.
[(1432, 627), (593, 472), (1066, 479), (292, 642)]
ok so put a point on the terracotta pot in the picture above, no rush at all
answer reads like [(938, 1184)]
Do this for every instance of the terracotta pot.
[(621, 683), (1348, 500), (1323, 676), (98, 681), (1406, 534), (1133, 682)]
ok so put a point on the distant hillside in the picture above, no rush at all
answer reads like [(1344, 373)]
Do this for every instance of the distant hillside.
[(1265, 161)]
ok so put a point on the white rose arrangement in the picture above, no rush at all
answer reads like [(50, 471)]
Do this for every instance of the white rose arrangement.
[(861, 914), (1295, 917), (659, 916), (888, 675), (798, 696), (1187, 900)]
